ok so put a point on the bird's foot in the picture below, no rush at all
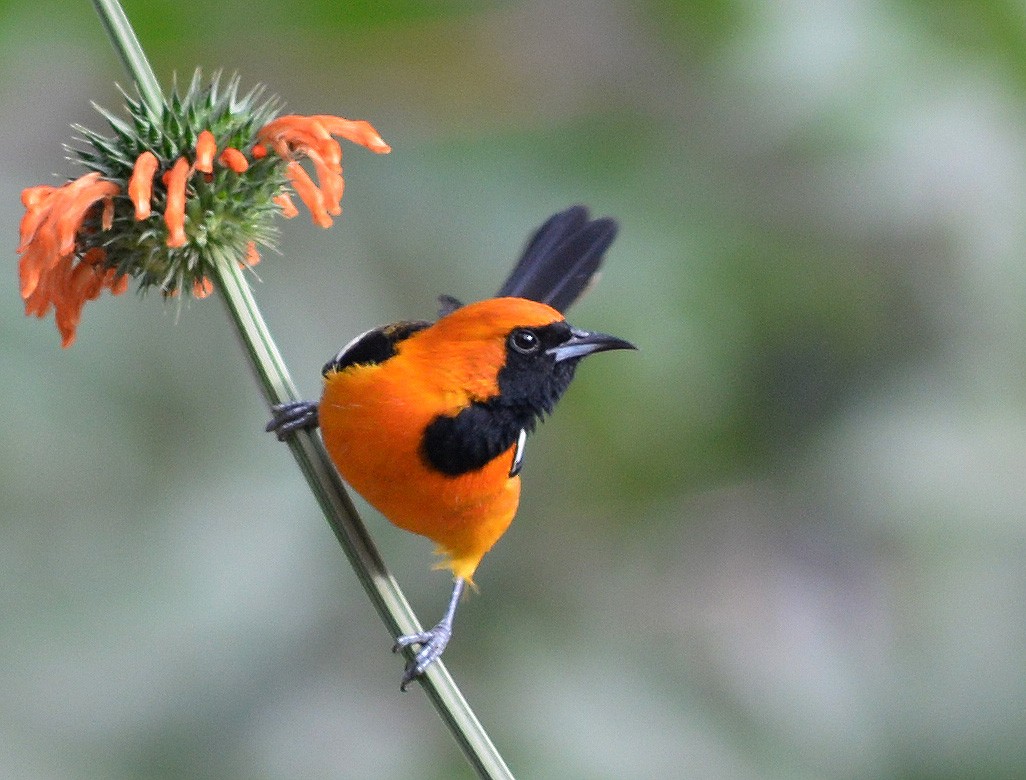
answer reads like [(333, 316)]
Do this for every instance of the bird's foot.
[(432, 644), (291, 417)]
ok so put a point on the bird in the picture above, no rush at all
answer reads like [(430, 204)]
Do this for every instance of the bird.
[(428, 420)]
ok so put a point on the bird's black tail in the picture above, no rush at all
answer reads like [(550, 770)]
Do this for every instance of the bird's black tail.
[(561, 259)]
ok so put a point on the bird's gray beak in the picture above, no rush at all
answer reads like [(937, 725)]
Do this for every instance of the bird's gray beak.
[(582, 343)]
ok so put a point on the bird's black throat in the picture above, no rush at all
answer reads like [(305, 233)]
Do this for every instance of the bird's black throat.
[(529, 387)]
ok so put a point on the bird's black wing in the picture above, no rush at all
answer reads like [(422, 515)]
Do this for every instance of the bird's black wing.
[(561, 259)]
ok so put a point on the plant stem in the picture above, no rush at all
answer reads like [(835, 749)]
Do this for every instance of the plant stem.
[(126, 44), (313, 460)]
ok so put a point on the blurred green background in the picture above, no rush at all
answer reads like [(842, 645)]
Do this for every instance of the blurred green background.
[(785, 539)]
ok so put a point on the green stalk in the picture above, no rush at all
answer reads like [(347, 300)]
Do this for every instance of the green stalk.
[(308, 450), (122, 36)]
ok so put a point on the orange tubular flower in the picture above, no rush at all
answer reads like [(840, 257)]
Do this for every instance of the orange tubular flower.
[(202, 288), (140, 185), (329, 174), (356, 130), (311, 136), (298, 133), (309, 193), (234, 160), (174, 215), (252, 255), (206, 148), (31, 197), (288, 208)]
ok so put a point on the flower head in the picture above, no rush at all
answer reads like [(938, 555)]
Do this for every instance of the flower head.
[(168, 197)]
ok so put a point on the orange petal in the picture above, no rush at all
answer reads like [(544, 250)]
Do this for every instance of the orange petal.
[(38, 248), (288, 208), (107, 218), (259, 151), (301, 134), (38, 259), (71, 203), (206, 148), (140, 185), (234, 159), (39, 301), (32, 196), (252, 256), (356, 130), (201, 288), (38, 304), (296, 129), (35, 200), (336, 185), (71, 286), (67, 315), (174, 214), (68, 285), (94, 256), (309, 193), (329, 177), (67, 222), (30, 270)]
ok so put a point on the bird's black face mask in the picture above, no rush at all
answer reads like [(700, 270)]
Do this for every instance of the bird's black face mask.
[(540, 364)]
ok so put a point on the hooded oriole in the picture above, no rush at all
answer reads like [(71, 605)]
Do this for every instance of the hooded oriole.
[(427, 421)]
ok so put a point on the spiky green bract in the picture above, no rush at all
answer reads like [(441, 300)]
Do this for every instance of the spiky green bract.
[(225, 210)]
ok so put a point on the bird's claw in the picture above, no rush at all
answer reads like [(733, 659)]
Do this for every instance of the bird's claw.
[(290, 417), (432, 644)]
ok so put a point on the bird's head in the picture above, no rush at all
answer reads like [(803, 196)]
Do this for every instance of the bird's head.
[(518, 353)]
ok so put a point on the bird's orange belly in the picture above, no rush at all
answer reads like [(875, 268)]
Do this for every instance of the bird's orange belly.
[(375, 444)]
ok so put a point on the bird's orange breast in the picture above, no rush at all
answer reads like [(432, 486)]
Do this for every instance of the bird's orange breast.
[(372, 419)]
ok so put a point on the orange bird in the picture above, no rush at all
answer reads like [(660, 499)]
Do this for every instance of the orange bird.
[(427, 421)]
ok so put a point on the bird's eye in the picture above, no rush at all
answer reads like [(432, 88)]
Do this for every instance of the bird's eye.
[(524, 341)]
